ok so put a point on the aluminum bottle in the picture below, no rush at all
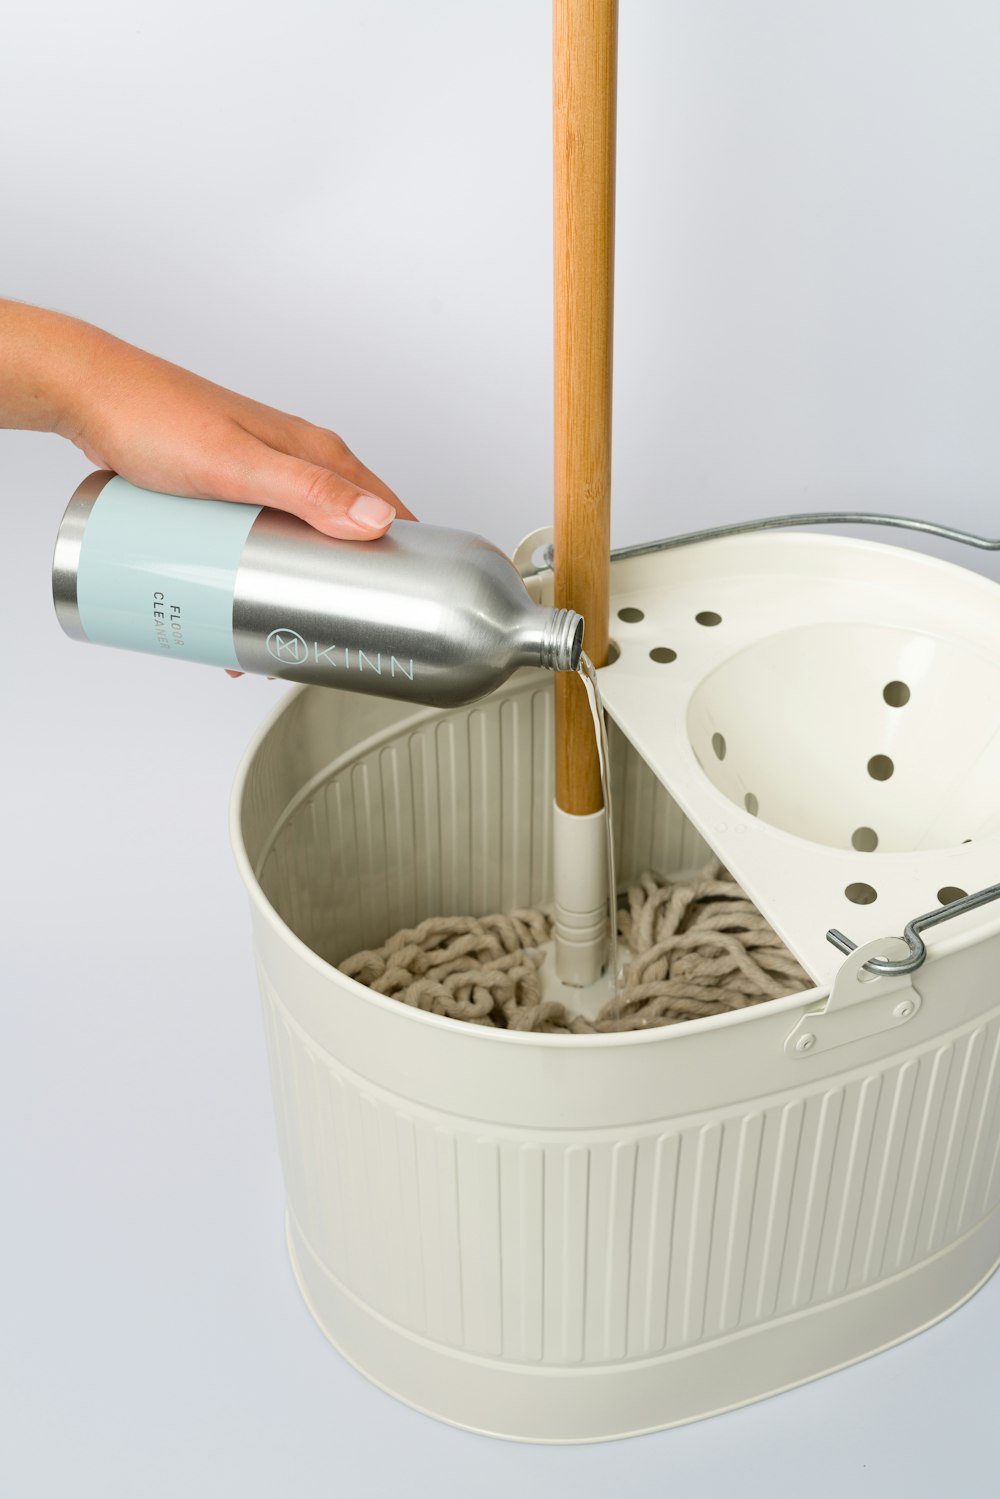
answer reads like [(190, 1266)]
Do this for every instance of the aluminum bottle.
[(425, 614)]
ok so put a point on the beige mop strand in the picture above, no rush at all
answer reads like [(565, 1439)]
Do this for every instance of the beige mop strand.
[(698, 946)]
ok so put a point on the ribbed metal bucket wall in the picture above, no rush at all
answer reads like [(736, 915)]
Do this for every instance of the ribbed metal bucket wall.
[(565, 1251), (451, 816)]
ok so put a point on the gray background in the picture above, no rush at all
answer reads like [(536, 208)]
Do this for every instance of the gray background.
[(344, 210)]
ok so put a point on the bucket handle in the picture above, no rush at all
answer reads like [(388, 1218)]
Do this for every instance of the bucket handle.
[(889, 967), (778, 523)]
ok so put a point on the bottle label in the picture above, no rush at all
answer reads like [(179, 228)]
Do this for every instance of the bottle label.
[(158, 573)]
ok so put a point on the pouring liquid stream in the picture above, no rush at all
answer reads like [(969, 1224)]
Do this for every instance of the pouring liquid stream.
[(588, 676)]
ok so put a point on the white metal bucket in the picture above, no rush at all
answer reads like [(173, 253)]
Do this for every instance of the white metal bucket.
[(575, 1238)]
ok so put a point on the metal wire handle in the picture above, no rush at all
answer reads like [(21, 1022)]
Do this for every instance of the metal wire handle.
[(911, 934), (819, 518)]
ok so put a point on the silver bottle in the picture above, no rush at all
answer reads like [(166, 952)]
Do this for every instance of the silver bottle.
[(425, 614)]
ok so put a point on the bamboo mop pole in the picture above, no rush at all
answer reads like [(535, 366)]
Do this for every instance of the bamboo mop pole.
[(585, 38)]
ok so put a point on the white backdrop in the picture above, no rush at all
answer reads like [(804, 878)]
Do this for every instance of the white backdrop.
[(344, 210)]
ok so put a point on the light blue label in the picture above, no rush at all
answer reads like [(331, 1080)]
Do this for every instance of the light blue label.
[(157, 573)]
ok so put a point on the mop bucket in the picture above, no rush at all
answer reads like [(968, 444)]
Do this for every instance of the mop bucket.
[(573, 1238)]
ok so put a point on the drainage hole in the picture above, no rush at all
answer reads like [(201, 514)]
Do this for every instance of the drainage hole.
[(948, 893), (865, 840), (662, 653), (861, 894), (896, 694), (751, 803), (633, 616), (709, 617), (719, 745), (880, 767)]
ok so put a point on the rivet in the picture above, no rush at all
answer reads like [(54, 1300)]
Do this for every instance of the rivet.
[(806, 1042), (905, 1010)]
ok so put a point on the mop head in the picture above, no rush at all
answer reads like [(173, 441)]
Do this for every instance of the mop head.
[(697, 947)]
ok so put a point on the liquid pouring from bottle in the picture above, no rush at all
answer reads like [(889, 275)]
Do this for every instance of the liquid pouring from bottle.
[(588, 675)]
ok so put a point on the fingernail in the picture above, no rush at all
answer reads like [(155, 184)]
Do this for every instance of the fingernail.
[(371, 513)]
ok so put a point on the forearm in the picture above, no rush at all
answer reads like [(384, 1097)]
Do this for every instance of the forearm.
[(164, 428), (46, 359)]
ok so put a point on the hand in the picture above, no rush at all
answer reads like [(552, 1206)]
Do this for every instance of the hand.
[(163, 428)]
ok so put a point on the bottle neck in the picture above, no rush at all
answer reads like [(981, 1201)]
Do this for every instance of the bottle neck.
[(553, 641)]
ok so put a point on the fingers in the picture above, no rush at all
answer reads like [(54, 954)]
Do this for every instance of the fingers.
[(300, 439), (333, 503), (355, 469)]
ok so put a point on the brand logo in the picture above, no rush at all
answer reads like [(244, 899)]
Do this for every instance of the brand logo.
[(287, 646)]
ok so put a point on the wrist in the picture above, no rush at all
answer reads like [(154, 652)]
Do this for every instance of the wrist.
[(75, 371)]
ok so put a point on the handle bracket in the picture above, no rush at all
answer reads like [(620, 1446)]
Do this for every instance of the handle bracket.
[(860, 1003)]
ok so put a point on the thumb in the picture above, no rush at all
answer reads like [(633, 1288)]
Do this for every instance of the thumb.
[(326, 500)]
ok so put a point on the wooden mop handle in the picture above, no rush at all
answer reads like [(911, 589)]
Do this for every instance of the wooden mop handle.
[(585, 44)]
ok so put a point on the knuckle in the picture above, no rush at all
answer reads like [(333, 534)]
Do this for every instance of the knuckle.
[(323, 491), (340, 453), (337, 441)]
